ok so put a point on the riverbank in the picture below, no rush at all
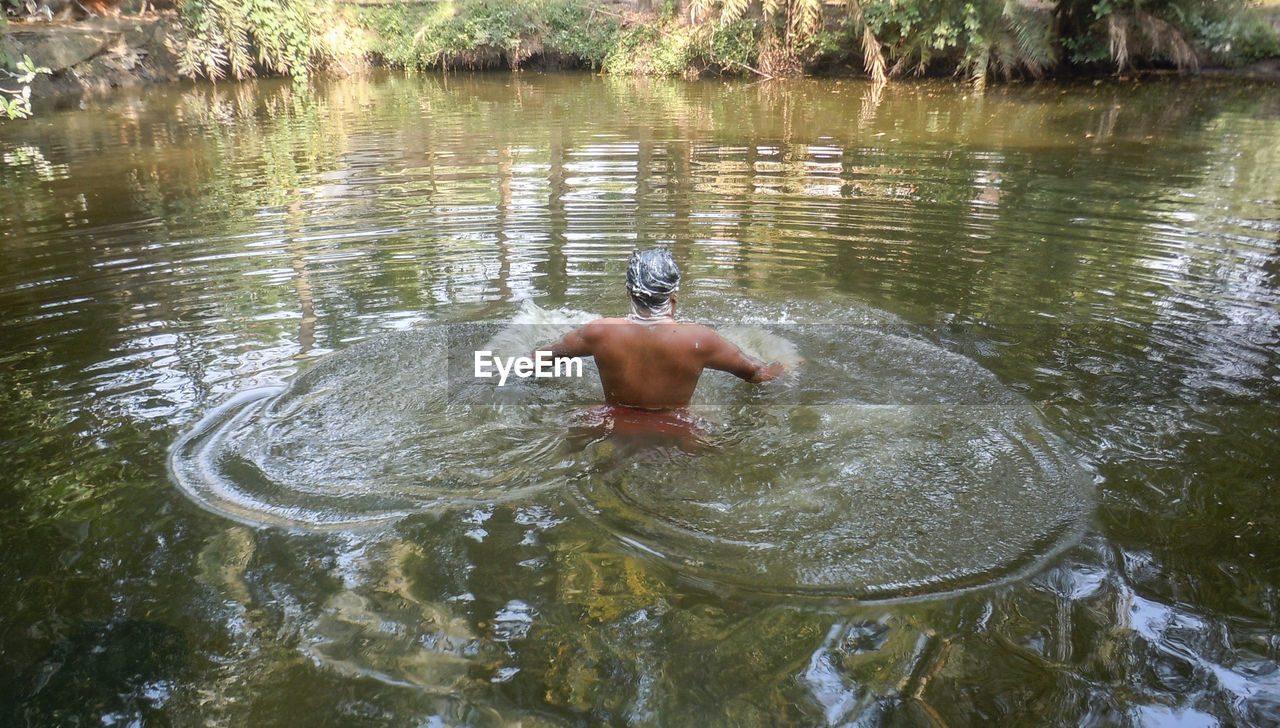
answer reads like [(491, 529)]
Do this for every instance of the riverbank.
[(883, 40), (617, 37)]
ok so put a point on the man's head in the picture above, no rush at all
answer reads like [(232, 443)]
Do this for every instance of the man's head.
[(652, 282)]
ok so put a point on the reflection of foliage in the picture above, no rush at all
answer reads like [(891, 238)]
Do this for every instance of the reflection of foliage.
[(285, 141), (617, 632), (26, 187), (605, 587), (29, 156), (242, 35), (587, 658)]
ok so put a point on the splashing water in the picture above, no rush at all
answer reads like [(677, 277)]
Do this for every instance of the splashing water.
[(884, 466)]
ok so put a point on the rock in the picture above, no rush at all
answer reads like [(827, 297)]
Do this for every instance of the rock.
[(61, 47), (97, 54)]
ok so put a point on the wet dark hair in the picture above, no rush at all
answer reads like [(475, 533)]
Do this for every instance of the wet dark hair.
[(652, 276)]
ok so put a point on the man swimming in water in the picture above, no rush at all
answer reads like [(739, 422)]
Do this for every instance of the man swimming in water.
[(648, 360)]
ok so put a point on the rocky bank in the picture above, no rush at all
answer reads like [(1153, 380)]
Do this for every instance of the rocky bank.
[(95, 54)]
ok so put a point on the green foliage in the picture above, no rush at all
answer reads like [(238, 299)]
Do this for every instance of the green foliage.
[(1180, 32), (1002, 38), (15, 103), (787, 28), (573, 29), (243, 36), (476, 34), (491, 33), (677, 52), (674, 49), (390, 33), (801, 18), (627, 54), (1233, 38), (892, 37), (668, 50), (978, 39), (735, 45)]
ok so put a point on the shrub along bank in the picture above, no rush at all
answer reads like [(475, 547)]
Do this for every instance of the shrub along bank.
[(977, 39)]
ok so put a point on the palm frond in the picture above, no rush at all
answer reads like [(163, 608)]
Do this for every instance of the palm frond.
[(806, 17), (1164, 39), (872, 56), (1025, 40), (1118, 39), (978, 67), (700, 9), (733, 9)]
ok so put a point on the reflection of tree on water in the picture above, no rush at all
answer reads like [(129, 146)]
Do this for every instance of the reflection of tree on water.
[(302, 284), (505, 242), (556, 267)]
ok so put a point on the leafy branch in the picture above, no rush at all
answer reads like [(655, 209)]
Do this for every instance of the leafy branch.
[(17, 105)]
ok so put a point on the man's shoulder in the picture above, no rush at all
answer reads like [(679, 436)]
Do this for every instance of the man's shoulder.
[(600, 327), (601, 323)]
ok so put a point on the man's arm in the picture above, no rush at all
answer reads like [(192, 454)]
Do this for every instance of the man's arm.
[(725, 356)]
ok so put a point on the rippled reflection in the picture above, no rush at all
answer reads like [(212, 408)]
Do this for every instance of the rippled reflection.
[(1105, 255)]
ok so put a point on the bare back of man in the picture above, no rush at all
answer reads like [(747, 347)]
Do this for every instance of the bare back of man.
[(648, 360), (656, 365)]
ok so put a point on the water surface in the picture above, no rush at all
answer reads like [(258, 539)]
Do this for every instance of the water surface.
[(1022, 477)]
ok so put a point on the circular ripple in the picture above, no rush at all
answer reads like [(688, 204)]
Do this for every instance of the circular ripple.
[(370, 434), (884, 466), (856, 500)]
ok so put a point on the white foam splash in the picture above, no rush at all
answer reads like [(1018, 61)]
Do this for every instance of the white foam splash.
[(755, 341), (533, 326)]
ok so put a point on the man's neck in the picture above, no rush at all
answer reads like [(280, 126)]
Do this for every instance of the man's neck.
[(646, 316), (648, 320)]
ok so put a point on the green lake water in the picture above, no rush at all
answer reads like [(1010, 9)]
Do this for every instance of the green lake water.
[(1026, 474)]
